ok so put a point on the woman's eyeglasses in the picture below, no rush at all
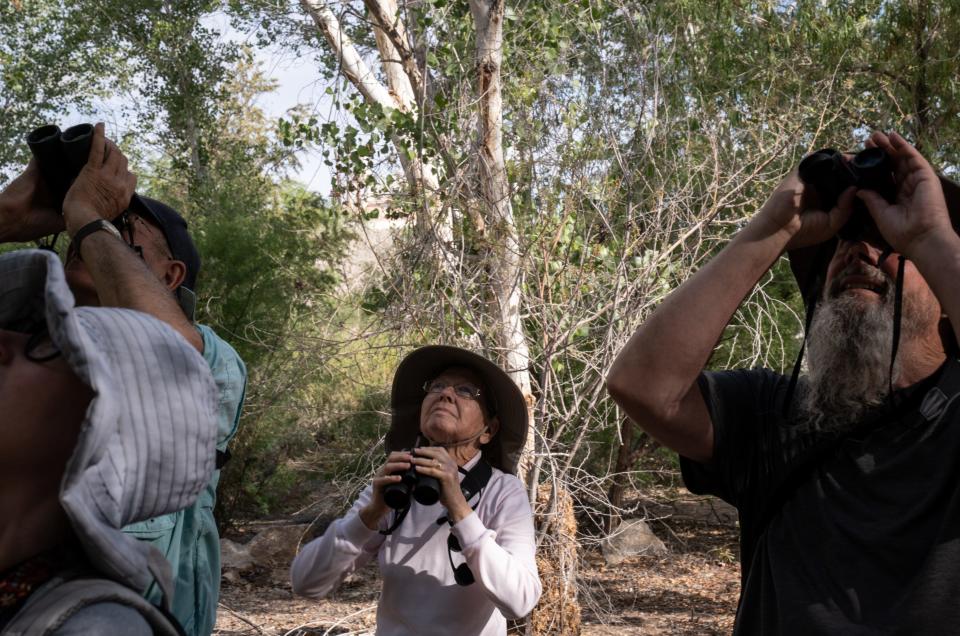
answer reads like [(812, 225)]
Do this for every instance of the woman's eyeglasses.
[(465, 391)]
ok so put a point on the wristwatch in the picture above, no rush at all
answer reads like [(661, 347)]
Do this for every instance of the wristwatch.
[(90, 228)]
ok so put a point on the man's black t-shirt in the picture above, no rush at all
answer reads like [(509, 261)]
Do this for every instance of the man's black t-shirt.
[(869, 541)]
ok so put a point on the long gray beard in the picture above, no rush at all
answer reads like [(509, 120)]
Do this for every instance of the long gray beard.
[(848, 350)]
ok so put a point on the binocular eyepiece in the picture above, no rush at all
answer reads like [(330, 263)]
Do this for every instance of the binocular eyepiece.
[(60, 155), (424, 489), (830, 174)]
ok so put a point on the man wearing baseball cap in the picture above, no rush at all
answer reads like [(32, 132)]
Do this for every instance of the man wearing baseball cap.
[(134, 252), (109, 418), (456, 548)]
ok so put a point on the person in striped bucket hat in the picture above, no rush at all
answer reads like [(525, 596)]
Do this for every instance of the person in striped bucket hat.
[(108, 417)]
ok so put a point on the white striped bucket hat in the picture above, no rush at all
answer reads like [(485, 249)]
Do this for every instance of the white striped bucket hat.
[(147, 444)]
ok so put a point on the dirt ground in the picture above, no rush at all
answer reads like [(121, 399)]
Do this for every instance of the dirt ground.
[(693, 590)]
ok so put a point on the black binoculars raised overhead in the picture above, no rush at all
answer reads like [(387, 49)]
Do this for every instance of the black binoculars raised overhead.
[(830, 174), (60, 155), (424, 489)]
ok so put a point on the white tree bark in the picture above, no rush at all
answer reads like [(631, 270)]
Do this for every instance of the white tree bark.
[(399, 94), (399, 53), (504, 261), (351, 64), (405, 81)]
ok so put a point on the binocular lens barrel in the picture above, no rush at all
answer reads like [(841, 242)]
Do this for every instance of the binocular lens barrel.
[(76, 133), (427, 491), (826, 171), (397, 496), (42, 135), (875, 172), (869, 159), (60, 155), (47, 149), (76, 147), (818, 165)]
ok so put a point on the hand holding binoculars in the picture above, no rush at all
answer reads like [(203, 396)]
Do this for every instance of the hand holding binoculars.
[(60, 155), (830, 174), (424, 489)]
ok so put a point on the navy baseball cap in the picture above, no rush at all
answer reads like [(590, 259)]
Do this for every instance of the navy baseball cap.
[(174, 228)]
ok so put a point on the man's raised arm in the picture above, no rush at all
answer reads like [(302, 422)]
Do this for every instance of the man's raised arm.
[(103, 190), (654, 377)]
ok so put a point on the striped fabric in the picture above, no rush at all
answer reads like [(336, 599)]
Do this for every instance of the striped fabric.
[(147, 446)]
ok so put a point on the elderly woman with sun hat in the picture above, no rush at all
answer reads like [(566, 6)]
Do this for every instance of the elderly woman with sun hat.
[(461, 564)]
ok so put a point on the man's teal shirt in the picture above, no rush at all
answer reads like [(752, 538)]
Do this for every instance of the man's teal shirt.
[(189, 538)]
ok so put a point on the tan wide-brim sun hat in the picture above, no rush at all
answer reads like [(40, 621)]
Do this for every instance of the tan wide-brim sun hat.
[(505, 398)]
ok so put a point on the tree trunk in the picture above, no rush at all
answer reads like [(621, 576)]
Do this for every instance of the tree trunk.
[(504, 250), (627, 455), (623, 464), (921, 88), (555, 515), (406, 83)]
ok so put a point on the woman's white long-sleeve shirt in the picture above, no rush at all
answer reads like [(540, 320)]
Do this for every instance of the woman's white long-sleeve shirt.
[(420, 595)]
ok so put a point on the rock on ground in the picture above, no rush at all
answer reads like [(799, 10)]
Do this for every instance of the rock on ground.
[(276, 547), (632, 537), (234, 556)]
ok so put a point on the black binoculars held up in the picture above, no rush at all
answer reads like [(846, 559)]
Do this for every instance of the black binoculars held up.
[(830, 174), (60, 155), (424, 489)]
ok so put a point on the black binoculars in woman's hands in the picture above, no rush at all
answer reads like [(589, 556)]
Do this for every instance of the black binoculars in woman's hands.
[(424, 489), (829, 173), (60, 155)]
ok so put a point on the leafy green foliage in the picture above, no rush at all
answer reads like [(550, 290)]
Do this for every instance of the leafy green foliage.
[(271, 253), (639, 137), (46, 66)]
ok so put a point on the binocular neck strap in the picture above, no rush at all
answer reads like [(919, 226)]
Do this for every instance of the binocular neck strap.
[(814, 288), (50, 245), (897, 318), (812, 297), (398, 517)]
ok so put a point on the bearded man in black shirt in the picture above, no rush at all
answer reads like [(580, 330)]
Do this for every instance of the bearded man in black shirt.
[(848, 487)]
